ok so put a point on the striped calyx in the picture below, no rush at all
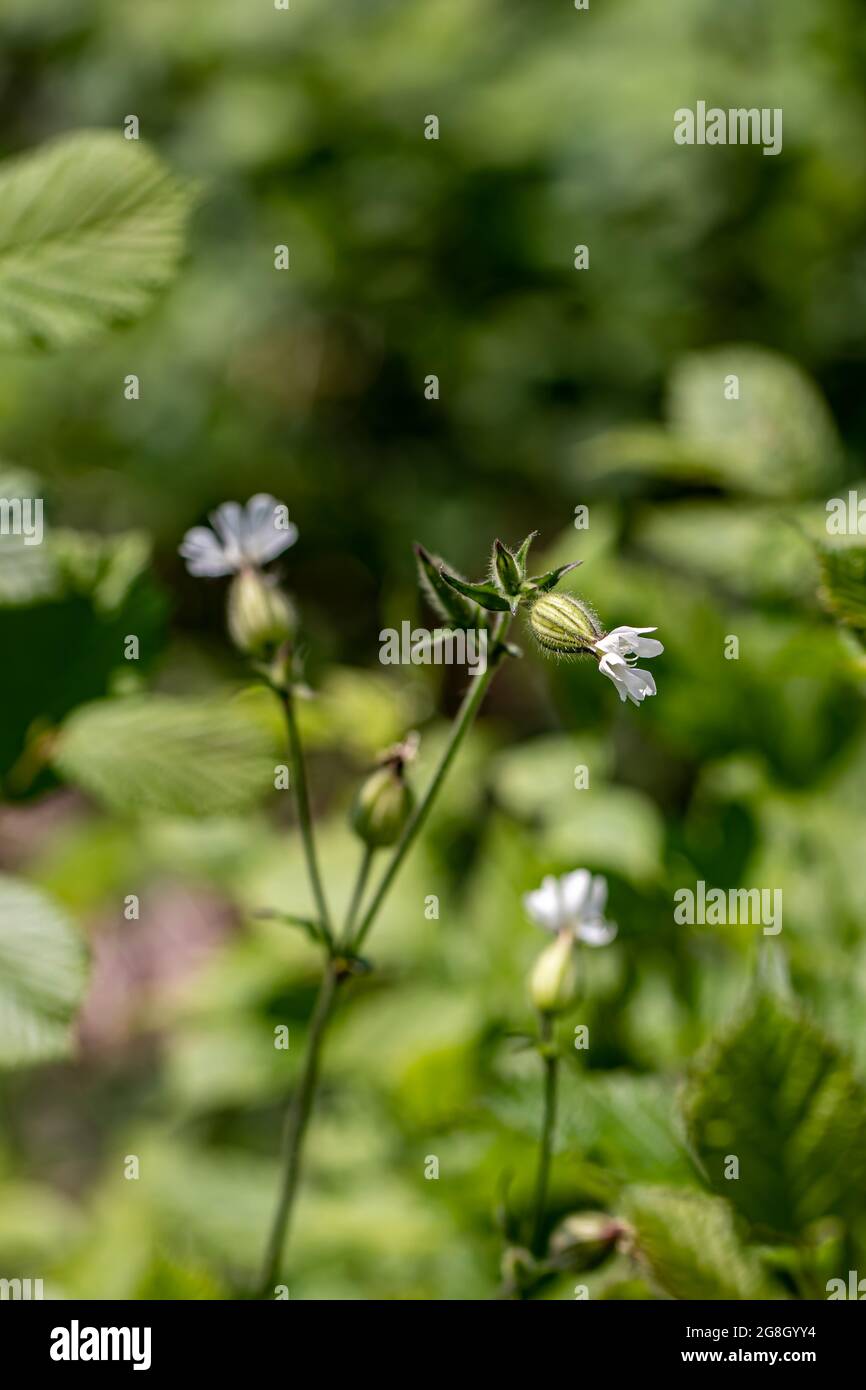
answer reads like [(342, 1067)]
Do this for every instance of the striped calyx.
[(561, 623)]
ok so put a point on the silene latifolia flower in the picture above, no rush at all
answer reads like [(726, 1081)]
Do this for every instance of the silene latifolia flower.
[(243, 539), (573, 908), (566, 626)]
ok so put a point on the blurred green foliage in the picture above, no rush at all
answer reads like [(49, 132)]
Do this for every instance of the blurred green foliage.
[(558, 389)]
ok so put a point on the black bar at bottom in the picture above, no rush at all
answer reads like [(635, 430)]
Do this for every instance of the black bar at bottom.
[(82, 1338)]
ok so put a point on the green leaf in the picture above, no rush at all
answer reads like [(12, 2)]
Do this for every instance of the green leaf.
[(521, 554), (157, 753), (543, 583), (309, 925), (42, 975), (443, 598), (778, 438), (91, 227), (690, 1246), (487, 595), (774, 1092), (843, 584)]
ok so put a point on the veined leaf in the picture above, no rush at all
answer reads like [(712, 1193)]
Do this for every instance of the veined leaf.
[(42, 975), (774, 1093), (91, 227), (689, 1243), (158, 753)]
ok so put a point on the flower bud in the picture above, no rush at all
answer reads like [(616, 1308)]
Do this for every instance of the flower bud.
[(563, 624), (509, 575), (553, 982), (383, 806), (260, 616), (581, 1241)]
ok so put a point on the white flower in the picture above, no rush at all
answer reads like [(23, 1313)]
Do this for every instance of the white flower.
[(619, 651), (574, 904), (241, 537)]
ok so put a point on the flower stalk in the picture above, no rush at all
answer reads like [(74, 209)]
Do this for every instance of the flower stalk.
[(305, 820), (350, 944), (295, 1129), (462, 723), (550, 1058)]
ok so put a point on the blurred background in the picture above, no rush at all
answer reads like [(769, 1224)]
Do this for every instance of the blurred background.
[(558, 388)]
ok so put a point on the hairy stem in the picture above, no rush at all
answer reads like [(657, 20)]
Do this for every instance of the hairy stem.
[(294, 1130), (548, 1126), (462, 723), (302, 801)]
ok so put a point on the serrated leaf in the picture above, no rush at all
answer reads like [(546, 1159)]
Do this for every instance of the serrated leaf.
[(157, 753), (843, 584), (772, 1091), (91, 227), (42, 975), (690, 1246)]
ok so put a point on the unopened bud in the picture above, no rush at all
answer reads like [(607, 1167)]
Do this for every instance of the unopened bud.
[(260, 616), (509, 575), (553, 982), (582, 1239), (563, 624), (383, 806)]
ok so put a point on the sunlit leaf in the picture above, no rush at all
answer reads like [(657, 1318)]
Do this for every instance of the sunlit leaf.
[(194, 757), (91, 227), (42, 975)]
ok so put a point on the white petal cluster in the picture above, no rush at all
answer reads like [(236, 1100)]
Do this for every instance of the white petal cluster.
[(618, 652), (573, 904), (242, 537)]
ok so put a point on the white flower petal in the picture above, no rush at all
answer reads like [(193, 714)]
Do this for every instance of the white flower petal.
[(649, 646), (544, 905), (613, 667), (575, 888), (596, 933), (263, 539), (597, 900), (638, 683), (204, 554), (629, 641), (228, 522)]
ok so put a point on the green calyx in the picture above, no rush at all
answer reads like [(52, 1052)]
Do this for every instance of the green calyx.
[(385, 802), (260, 616), (564, 625), (509, 586)]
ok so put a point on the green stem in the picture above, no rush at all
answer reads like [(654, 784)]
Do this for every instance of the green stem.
[(294, 1131), (358, 893), (302, 1101), (462, 723), (302, 801), (548, 1127)]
